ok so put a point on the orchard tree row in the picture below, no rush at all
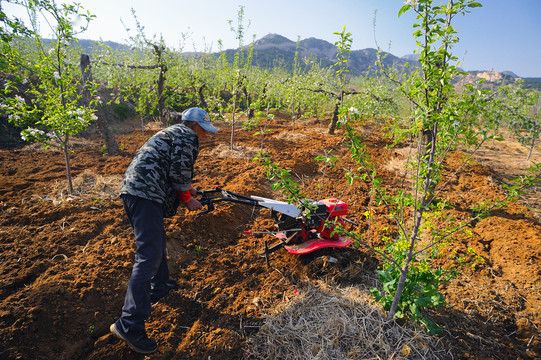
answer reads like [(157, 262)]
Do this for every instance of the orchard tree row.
[(155, 80)]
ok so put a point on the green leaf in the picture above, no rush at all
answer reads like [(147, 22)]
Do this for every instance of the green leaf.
[(375, 293), (432, 328), (404, 9), (423, 302), (475, 5)]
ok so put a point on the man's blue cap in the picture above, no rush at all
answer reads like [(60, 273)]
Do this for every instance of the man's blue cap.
[(199, 116)]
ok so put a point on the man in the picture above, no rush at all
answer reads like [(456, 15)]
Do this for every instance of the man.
[(162, 169)]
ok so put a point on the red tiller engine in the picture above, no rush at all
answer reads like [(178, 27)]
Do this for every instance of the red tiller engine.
[(314, 228)]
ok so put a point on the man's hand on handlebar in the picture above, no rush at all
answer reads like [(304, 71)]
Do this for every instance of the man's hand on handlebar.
[(193, 204)]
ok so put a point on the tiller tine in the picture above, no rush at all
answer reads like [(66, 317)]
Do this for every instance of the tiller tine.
[(269, 250)]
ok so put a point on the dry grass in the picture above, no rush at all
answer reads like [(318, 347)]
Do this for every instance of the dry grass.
[(327, 322), (224, 151), (75, 143), (398, 164), (89, 185), (291, 136)]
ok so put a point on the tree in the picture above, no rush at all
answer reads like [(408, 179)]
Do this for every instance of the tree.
[(139, 75), (342, 55), (340, 97), (10, 29), (241, 66), (522, 109), (440, 118), (107, 135), (53, 107)]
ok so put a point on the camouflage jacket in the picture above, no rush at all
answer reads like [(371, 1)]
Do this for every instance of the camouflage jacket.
[(163, 165)]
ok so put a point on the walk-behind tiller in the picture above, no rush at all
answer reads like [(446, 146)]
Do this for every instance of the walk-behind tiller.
[(301, 229)]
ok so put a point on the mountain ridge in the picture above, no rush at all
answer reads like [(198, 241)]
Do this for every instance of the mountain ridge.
[(274, 48)]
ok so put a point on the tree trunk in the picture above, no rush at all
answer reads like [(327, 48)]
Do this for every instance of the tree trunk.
[(86, 68), (428, 146), (106, 133), (103, 127), (68, 168), (429, 136), (334, 120), (248, 97), (236, 103), (158, 51), (161, 98), (202, 102), (399, 290), (531, 148), (233, 124)]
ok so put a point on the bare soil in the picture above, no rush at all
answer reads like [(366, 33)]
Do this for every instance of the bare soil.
[(65, 260)]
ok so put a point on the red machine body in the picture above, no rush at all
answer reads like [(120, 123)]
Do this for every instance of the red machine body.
[(335, 207), (317, 230), (302, 228)]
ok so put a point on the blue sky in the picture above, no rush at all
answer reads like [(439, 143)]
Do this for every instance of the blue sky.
[(503, 35)]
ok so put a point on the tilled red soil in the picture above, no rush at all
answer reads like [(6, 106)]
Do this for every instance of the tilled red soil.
[(65, 262)]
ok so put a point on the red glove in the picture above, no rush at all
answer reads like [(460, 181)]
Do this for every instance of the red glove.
[(184, 196)]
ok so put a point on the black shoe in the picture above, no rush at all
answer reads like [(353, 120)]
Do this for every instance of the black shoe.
[(171, 284), (138, 341)]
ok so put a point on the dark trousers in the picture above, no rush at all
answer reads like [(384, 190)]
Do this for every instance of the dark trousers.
[(150, 271)]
